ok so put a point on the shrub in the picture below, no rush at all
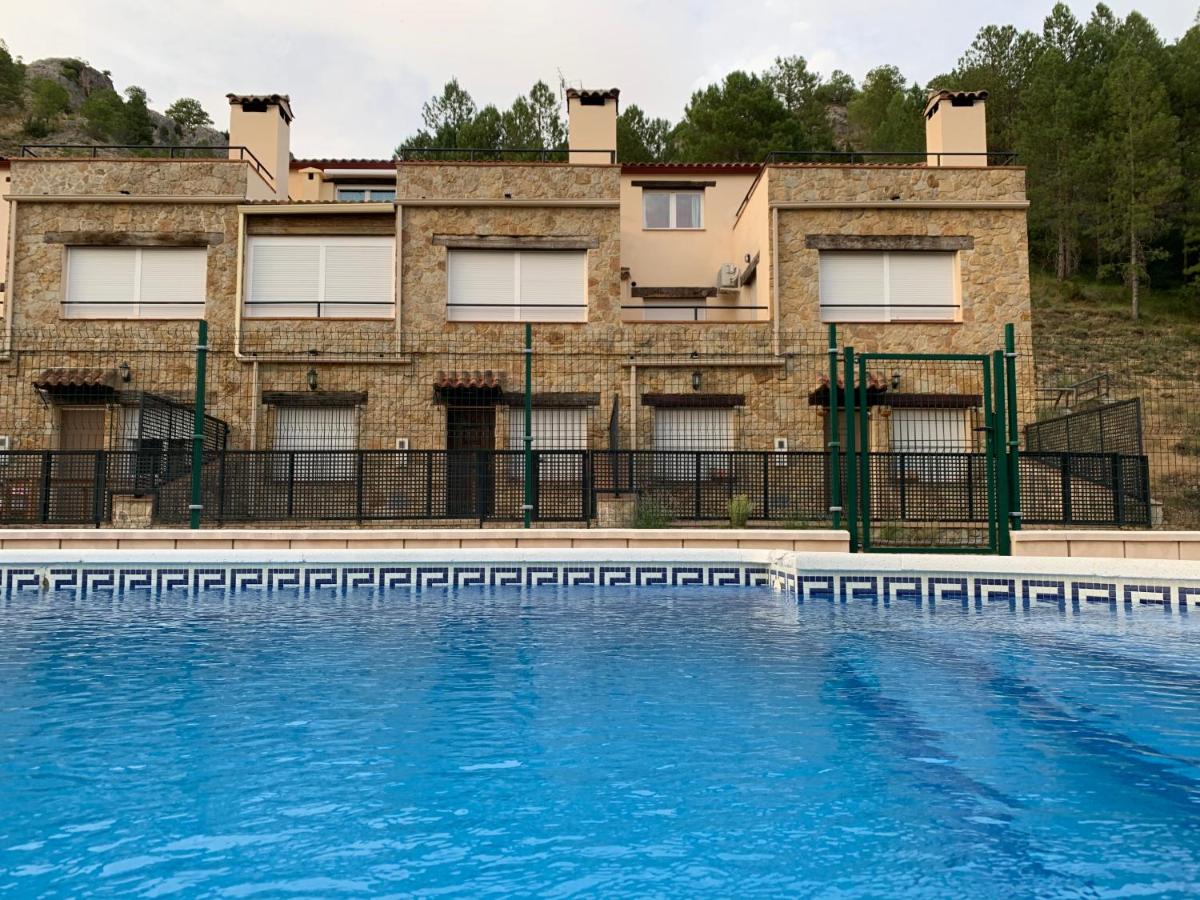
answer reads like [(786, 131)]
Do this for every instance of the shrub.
[(649, 513), (188, 112), (72, 69), (50, 99), (740, 508), (12, 80), (104, 112), (35, 128)]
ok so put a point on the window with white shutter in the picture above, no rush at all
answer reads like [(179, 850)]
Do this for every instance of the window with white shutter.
[(135, 282), (320, 278), (311, 432), (893, 286), (552, 428), (931, 444), (517, 286), (690, 429)]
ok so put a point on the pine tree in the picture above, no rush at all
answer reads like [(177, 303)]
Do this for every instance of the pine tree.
[(1142, 150), (640, 138), (1185, 101), (1050, 138)]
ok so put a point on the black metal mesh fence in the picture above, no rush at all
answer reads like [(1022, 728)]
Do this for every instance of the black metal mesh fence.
[(668, 423), (1090, 396)]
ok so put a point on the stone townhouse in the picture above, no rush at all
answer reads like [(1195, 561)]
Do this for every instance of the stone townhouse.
[(379, 304)]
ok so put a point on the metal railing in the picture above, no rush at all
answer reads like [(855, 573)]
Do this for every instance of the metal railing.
[(1095, 389), (496, 154), (269, 486), (152, 151), (897, 157), (1111, 428)]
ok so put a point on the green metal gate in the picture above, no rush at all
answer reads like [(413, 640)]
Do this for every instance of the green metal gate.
[(927, 448)]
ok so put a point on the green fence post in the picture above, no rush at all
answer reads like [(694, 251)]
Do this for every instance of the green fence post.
[(864, 457), (835, 455), (1014, 437), (989, 456), (195, 507), (527, 502), (851, 455), (1001, 444)]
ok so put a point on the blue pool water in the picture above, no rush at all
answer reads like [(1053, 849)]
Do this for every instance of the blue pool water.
[(594, 743)]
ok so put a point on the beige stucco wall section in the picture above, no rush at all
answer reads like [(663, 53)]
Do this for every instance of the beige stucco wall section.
[(751, 237), (956, 129), (591, 128), (306, 185), (988, 205), (682, 258), (267, 135)]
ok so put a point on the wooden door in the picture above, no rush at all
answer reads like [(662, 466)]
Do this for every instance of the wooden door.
[(73, 477), (469, 472)]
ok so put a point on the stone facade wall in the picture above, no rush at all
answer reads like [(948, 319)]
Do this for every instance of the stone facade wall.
[(846, 184), (396, 363), (423, 264), (508, 180), (139, 177), (45, 230)]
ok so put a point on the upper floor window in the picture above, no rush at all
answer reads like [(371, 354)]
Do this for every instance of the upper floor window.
[(135, 282), (893, 286), (320, 277), (517, 286), (366, 194), (672, 209)]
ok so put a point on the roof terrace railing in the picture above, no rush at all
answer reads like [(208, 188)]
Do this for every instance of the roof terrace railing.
[(896, 157), (150, 151), (491, 154)]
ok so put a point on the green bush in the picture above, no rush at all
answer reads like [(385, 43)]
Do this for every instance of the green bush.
[(740, 508), (104, 113), (72, 69), (35, 128), (12, 80), (49, 99), (649, 513)]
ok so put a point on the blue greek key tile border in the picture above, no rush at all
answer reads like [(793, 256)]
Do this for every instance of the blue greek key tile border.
[(82, 581), (1075, 592)]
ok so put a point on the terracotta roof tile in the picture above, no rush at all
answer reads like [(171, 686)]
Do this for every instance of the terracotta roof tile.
[(957, 98), (52, 378), (465, 378)]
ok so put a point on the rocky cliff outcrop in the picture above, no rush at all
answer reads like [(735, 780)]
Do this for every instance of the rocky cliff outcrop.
[(70, 125)]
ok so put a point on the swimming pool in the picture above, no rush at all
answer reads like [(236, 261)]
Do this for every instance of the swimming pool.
[(593, 741)]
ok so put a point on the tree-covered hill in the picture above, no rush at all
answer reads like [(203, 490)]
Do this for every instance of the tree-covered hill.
[(1104, 113), (66, 101)]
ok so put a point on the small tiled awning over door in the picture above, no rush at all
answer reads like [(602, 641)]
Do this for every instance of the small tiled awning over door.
[(469, 378), (78, 386), (50, 379)]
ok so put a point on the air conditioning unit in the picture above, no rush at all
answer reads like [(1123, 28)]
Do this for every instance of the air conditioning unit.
[(727, 278)]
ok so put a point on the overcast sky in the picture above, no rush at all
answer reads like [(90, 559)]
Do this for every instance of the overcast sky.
[(358, 71)]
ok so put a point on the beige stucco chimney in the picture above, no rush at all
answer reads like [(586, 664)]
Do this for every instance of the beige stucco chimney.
[(592, 125), (955, 123), (262, 124)]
